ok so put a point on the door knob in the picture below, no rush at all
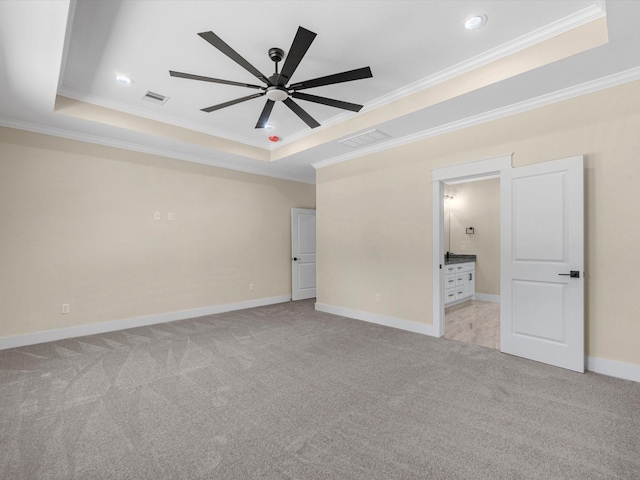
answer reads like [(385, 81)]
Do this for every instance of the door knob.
[(573, 274)]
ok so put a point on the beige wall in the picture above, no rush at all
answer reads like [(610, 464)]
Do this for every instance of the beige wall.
[(77, 226), (374, 213), (477, 205)]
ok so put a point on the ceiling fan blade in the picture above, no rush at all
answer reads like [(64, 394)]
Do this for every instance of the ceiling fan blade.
[(217, 42), (357, 74), (210, 79), (231, 102), (299, 47), (266, 113), (297, 109), (354, 107)]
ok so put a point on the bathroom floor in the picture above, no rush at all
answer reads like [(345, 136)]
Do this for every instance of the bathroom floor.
[(474, 322)]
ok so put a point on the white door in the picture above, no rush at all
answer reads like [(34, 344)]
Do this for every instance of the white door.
[(542, 264), (303, 253)]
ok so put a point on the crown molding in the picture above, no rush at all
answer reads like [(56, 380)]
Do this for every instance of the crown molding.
[(540, 35), (551, 30), (162, 118), (586, 88), (177, 122), (136, 147), (582, 17)]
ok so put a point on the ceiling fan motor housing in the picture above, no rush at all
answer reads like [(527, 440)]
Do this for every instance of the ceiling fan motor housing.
[(276, 54)]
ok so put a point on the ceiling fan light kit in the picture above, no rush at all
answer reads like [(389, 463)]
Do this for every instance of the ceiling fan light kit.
[(277, 88), (277, 94)]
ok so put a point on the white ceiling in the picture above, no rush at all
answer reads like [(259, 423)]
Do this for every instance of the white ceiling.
[(76, 49)]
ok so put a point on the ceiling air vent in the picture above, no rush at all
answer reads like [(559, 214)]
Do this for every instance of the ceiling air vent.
[(150, 96), (364, 138)]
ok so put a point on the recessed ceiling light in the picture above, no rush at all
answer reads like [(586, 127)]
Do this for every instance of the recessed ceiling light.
[(475, 22), (123, 79)]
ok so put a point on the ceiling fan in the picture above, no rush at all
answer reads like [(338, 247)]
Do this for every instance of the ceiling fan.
[(277, 87)]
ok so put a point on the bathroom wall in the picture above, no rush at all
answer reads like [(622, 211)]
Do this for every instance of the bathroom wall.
[(477, 204)]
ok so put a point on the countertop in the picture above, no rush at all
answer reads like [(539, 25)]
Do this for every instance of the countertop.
[(458, 258)]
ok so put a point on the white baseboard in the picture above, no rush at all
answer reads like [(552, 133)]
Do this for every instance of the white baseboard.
[(485, 297), (627, 371), (613, 368), (95, 328), (399, 323)]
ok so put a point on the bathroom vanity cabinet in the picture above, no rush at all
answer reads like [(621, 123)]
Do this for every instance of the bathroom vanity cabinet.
[(459, 282)]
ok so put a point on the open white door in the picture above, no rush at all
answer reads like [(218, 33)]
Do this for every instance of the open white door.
[(542, 265), (303, 253)]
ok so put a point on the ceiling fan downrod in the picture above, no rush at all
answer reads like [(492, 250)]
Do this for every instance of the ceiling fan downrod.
[(275, 92), (276, 54)]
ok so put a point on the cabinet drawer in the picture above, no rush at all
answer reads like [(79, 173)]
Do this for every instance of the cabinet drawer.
[(449, 295), (459, 267), (449, 269), (459, 292), (460, 279), (469, 267), (449, 281)]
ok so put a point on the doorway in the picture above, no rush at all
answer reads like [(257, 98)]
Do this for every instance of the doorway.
[(454, 175), (474, 321), (541, 256), (303, 253), (471, 232)]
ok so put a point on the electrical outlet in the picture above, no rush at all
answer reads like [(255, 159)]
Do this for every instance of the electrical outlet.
[(377, 297), (65, 308), (170, 216), (156, 215), (251, 286)]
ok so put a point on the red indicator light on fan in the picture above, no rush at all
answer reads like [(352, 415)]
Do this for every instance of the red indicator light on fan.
[(274, 138)]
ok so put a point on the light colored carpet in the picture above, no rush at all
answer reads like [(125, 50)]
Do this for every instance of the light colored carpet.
[(284, 392)]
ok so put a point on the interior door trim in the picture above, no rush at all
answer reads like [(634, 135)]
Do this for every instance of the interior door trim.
[(460, 172)]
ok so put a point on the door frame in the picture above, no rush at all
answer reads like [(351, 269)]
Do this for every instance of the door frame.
[(295, 292), (454, 173)]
